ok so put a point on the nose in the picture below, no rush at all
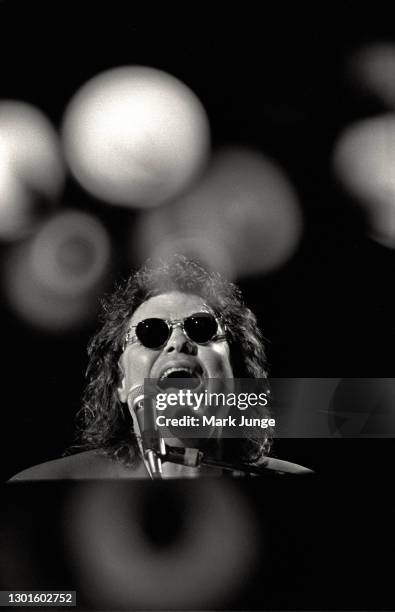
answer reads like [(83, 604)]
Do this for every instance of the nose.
[(180, 343)]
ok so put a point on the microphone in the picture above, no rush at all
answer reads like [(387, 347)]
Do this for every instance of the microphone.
[(268, 466), (152, 444)]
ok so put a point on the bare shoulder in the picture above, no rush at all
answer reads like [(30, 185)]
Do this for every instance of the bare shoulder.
[(82, 466)]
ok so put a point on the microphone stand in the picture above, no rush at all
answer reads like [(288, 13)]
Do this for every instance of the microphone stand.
[(193, 457)]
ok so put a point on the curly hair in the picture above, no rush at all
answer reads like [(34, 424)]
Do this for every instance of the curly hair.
[(103, 422)]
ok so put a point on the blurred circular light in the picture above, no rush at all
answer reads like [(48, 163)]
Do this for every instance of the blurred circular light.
[(118, 565), (135, 136), (53, 279), (31, 167), (374, 67), (244, 208), (364, 160), (206, 249), (70, 253)]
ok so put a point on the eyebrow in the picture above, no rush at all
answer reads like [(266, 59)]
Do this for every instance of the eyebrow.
[(204, 308)]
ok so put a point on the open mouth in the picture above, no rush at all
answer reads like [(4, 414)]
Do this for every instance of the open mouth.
[(180, 378)]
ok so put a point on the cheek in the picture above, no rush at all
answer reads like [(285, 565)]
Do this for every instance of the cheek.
[(217, 361), (137, 366)]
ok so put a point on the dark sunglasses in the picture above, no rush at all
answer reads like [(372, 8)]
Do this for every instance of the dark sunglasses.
[(200, 327)]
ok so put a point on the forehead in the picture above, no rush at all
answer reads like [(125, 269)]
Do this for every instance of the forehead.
[(174, 305)]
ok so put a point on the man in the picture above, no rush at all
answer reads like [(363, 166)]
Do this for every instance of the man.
[(174, 319)]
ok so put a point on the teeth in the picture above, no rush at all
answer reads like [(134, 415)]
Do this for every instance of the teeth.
[(179, 369)]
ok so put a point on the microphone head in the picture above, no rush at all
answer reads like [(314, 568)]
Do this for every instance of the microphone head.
[(139, 402), (152, 444), (136, 395)]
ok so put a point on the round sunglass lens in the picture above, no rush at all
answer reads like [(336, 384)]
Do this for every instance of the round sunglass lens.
[(201, 327), (152, 333)]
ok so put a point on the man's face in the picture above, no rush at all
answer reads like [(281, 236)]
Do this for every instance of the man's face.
[(208, 361)]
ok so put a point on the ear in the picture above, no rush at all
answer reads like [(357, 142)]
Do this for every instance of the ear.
[(121, 389)]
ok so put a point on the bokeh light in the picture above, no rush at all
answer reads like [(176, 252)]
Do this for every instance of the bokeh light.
[(242, 219), (135, 136), (364, 161), (31, 168), (53, 279), (210, 542), (374, 67)]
